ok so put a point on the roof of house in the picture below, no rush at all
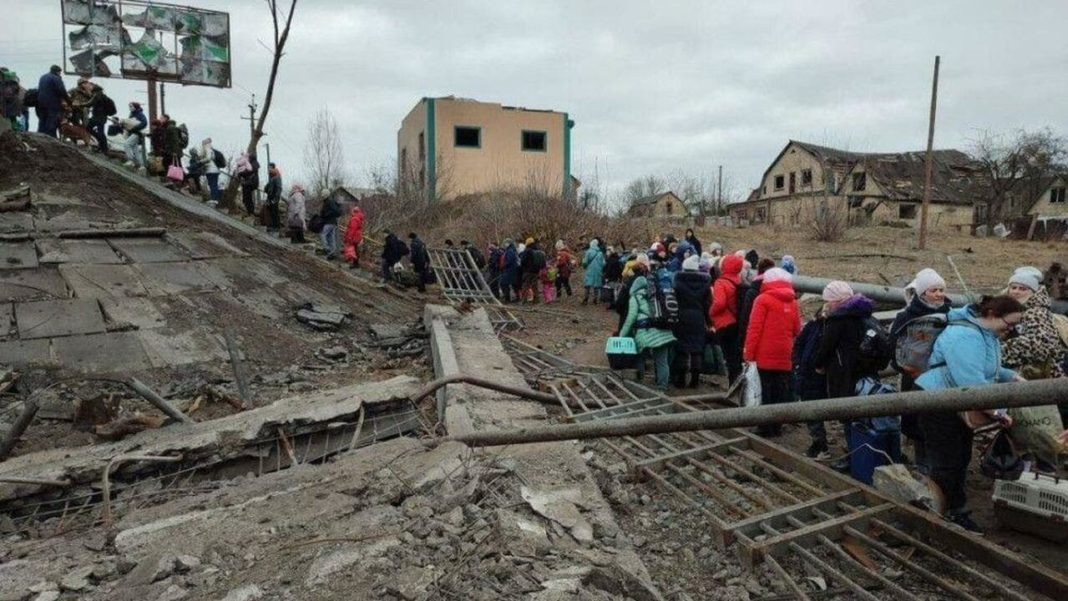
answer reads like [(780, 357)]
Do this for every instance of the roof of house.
[(955, 177), (832, 156), (653, 199)]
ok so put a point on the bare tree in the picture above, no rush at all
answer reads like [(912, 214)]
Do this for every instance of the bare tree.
[(1015, 164), (281, 25), (642, 187), (324, 154)]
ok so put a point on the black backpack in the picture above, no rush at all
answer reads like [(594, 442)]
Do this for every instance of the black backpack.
[(663, 305), (29, 100), (876, 347), (218, 158), (537, 260)]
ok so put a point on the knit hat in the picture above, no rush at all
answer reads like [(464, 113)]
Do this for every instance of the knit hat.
[(56, 69), (206, 141), (529, 241), (777, 274), (787, 263), (835, 292), (925, 280), (692, 263), (521, 247), (704, 264), (559, 245), (642, 259), (1031, 277)]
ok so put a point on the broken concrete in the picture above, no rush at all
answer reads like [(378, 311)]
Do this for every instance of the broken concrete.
[(47, 319)]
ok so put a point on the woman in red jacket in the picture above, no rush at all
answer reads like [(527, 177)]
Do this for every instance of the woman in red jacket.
[(723, 314), (769, 339), (354, 237)]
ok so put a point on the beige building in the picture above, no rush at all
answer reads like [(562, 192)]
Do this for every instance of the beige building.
[(664, 204), (1052, 202), (453, 147), (867, 187)]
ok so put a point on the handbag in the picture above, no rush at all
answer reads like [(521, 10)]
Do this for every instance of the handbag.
[(175, 173), (315, 224), (1000, 459)]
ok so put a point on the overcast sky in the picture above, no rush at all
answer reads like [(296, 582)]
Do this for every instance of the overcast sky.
[(654, 87)]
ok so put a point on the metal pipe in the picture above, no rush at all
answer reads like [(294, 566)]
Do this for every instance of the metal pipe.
[(35, 481), (150, 395), (1017, 394), (525, 393), (106, 492), (29, 410), (890, 294)]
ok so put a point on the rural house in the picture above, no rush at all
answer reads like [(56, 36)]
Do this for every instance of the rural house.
[(664, 205), (453, 147)]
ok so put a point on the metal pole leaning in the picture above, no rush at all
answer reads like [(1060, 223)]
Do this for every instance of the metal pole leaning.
[(1018, 394)]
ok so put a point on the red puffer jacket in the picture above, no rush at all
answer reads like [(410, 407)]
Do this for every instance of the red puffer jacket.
[(773, 325), (724, 310)]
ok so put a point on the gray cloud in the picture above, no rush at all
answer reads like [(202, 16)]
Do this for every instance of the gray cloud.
[(653, 87)]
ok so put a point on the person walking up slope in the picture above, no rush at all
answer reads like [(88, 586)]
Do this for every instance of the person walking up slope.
[(724, 313), (354, 236)]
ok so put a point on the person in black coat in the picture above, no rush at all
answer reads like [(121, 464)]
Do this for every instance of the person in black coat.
[(393, 250), (810, 384), (51, 94), (693, 290), (420, 260), (692, 239), (927, 296), (838, 355)]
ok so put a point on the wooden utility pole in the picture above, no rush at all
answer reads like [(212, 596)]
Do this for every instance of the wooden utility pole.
[(719, 192), (153, 113), (162, 99), (930, 158)]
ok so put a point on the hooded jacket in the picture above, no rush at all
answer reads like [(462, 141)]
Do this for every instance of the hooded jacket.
[(773, 325), (1037, 343), (724, 311), (839, 349), (638, 311), (354, 230), (965, 355), (694, 295), (593, 263)]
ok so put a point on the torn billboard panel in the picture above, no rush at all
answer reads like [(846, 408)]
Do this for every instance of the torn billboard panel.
[(139, 39)]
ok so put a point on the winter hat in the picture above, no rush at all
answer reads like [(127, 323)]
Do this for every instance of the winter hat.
[(777, 274), (593, 244), (529, 241), (56, 69), (704, 264), (508, 242), (692, 263), (717, 246), (787, 263), (642, 259), (835, 292), (521, 247), (559, 245), (1031, 277), (925, 280), (206, 141)]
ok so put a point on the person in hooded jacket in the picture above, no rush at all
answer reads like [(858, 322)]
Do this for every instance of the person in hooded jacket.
[(393, 250), (247, 168), (51, 94), (655, 341), (273, 192), (295, 214), (565, 264), (510, 271), (810, 384), (927, 296), (494, 257), (593, 263), (724, 314), (694, 294), (353, 237), (420, 259), (750, 295), (101, 107), (694, 242), (769, 341)]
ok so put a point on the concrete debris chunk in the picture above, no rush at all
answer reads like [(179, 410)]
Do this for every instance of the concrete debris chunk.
[(327, 565), (47, 596), (560, 506), (249, 592), (153, 568), (897, 482), (322, 317), (412, 583), (77, 580)]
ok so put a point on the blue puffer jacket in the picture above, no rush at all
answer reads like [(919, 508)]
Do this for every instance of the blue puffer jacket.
[(966, 354)]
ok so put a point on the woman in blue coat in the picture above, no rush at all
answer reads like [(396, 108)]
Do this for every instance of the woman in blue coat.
[(593, 263), (966, 353), (510, 271)]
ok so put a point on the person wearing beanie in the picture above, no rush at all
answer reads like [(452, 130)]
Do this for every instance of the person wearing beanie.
[(51, 94), (1024, 282), (750, 296), (788, 264), (593, 263), (693, 291), (565, 265), (704, 263), (727, 291), (354, 237), (509, 270), (926, 295), (769, 340), (835, 293), (650, 340)]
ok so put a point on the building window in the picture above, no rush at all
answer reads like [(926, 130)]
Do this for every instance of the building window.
[(1056, 195), (468, 137), (906, 211), (763, 190), (806, 177), (855, 202), (761, 215), (780, 182), (534, 141), (669, 207), (422, 147), (860, 182)]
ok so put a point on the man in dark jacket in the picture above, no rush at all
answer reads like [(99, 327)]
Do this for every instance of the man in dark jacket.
[(420, 261), (392, 252), (509, 271), (273, 192), (494, 271), (51, 94), (694, 295), (101, 107), (810, 384), (250, 180), (328, 235)]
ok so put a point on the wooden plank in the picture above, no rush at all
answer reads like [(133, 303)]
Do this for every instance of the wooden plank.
[(752, 525)]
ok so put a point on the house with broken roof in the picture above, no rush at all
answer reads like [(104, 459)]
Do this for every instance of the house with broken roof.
[(877, 187), (663, 204)]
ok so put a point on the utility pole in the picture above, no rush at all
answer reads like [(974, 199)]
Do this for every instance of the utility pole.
[(930, 157), (162, 98), (268, 153), (251, 116), (152, 113), (719, 192)]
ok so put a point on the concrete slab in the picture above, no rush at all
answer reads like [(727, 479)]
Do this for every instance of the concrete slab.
[(136, 311), (7, 320), (164, 279), (18, 255), (54, 250), (48, 198), (206, 245), (167, 349), (118, 352), (261, 273), (25, 352), (16, 222), (51, 318), (57, 218), (103, 281), (265, 302), (148, 250), (31, 284)]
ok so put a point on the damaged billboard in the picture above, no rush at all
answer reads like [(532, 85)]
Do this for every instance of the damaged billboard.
[(137, 39)]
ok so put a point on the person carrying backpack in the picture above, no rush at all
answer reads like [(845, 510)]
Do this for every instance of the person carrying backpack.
[(810, 384), (693, 291), (593, 263), (724, 313), (247, 168), (213, 163), (639, 324), (393, 250), (966, 354), (509, 269), (927, 297), (101, 107), (769, 341)]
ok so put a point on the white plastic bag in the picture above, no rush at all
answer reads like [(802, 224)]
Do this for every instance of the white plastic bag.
[(751, 394)]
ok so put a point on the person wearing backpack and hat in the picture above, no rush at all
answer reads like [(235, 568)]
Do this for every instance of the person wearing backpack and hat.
[(694, 295), (639, 325), (769, 342), (966, 354), (926, 296)]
